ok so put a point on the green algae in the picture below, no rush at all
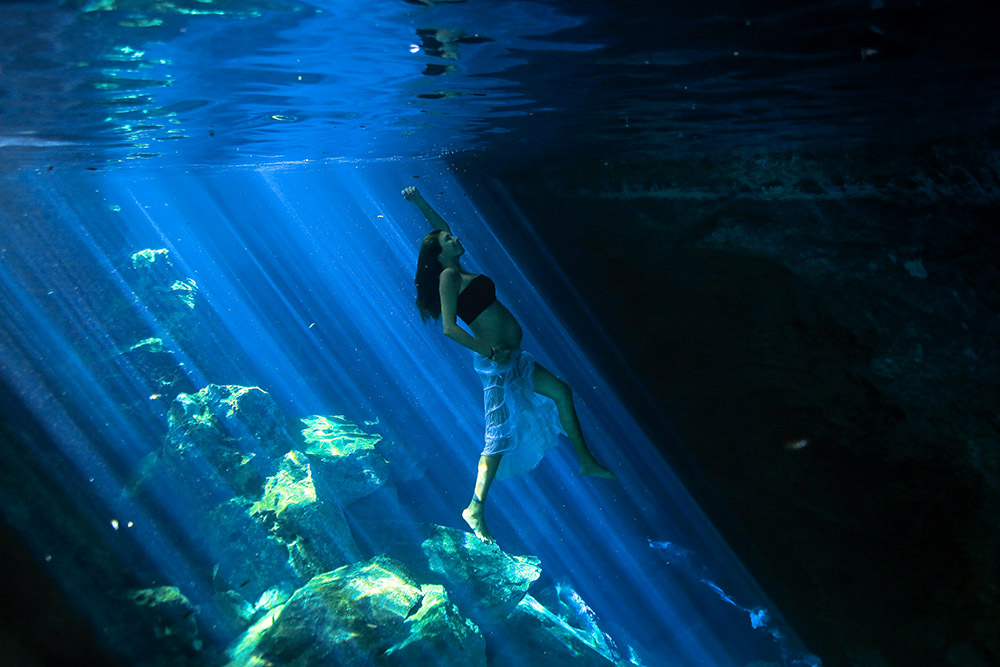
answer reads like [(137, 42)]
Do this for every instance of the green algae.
[(335, 436), (186, 290), (147, 258), (373, 612), (154, 345), (291, 487)]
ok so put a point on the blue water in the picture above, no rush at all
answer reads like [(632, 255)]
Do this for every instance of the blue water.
[(305, 273), (265, 149)]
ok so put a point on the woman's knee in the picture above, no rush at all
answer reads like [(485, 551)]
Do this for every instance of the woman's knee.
[(562, 390), (549, 385)]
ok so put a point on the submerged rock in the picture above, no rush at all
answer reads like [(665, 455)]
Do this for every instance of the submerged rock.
[(571, 609), (162, 287), (484, 580), (164, 300), (314, 532), (368, 613), (248, 559), (170, 620), (540, 632), (345, 460), (225, 433), (248, 414), (439, 635), (152, 362)]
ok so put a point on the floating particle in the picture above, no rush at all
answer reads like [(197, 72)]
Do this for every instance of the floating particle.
[(794, 445), (114, 524)]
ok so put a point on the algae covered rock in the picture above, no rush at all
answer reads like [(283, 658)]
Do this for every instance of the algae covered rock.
[(247, 559), (346, 463), (152, 362), (169, 617), (161, 285), (244, 418), (225, 433), (315, 533), (438, 635), (368, 613), (482, 578)]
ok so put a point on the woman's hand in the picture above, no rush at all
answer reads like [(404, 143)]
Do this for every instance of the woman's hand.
[(501, 355), (437, 222)]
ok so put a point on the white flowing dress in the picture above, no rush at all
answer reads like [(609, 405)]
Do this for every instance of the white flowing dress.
[(520, 424)]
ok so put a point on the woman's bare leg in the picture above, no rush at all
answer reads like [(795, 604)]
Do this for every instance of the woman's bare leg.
[(475, 513), (549, 385)]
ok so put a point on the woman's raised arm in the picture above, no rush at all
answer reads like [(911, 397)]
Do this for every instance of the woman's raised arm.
[(437, 222)]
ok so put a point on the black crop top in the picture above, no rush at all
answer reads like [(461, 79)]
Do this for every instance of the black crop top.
[(477, 296)]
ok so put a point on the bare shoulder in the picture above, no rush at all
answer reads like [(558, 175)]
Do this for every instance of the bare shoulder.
[(450, 278)]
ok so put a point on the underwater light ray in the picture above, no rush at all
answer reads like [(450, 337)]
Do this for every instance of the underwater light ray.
[(375, 295), (657, 475), (221, 278), (652, 477), (76, 389), (68, 419), (50, 364), (675, 609), (239, 313), (99, 254), (540, 499)]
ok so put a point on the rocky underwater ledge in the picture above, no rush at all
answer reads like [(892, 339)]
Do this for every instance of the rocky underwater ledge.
[(289, 573)]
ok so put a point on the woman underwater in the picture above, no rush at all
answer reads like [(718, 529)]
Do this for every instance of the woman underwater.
[(521, 422)]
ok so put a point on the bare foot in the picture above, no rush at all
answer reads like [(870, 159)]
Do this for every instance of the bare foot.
[(595, 469), (474, 515)]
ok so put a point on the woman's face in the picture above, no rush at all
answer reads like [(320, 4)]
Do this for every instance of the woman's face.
[(451, 247)]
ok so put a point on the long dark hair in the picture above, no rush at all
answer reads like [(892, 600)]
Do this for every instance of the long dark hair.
[(428, 277)]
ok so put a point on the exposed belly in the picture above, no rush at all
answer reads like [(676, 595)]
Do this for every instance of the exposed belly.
[(497, 327)]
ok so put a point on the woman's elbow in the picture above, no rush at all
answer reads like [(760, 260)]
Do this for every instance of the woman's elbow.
[(449, 329)]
